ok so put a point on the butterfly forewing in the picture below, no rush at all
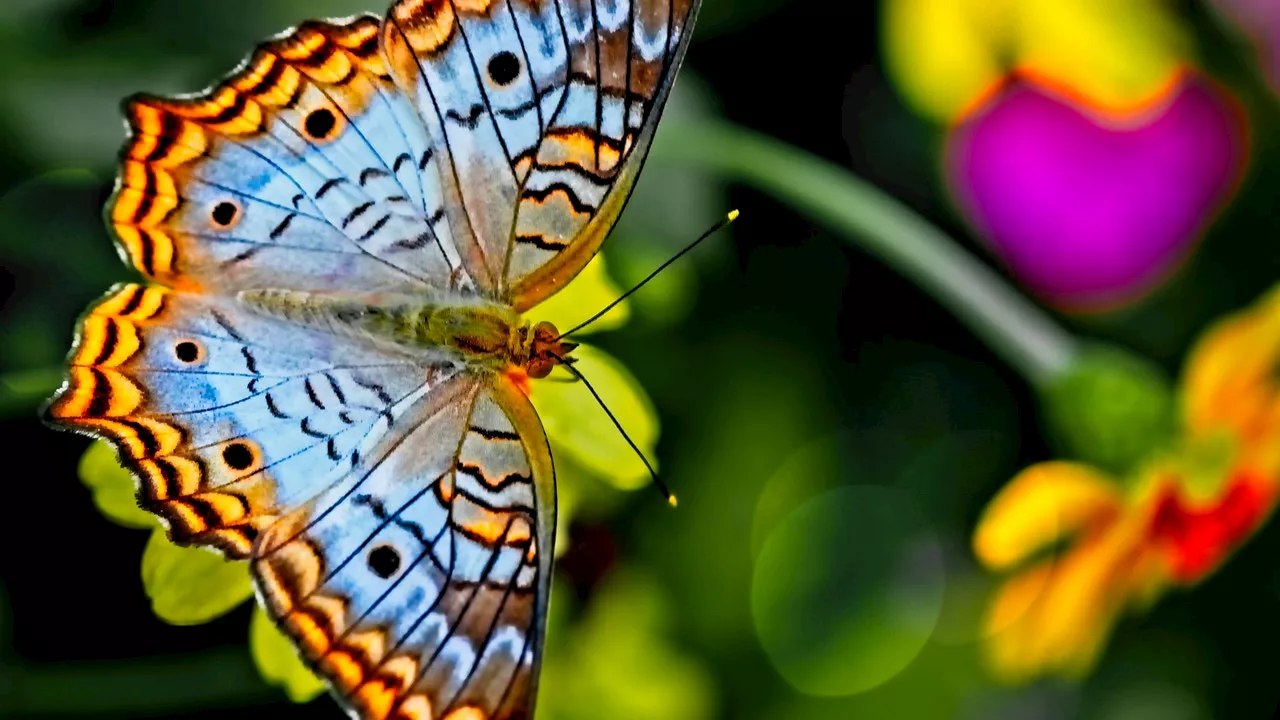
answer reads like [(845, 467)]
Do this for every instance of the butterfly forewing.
[(306, 168), (418, 585), (544, 111)]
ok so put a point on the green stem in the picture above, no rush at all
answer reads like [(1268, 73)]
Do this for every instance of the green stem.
[(1011, 325)]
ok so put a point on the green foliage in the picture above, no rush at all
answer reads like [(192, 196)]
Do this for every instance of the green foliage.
[(1111, 408), (577, 426), (191, 586), (278, 661), (113, 487), (847, 590), (620, 660), (589, 293)]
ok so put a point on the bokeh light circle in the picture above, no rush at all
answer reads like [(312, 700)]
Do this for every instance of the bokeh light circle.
[(847, 590)]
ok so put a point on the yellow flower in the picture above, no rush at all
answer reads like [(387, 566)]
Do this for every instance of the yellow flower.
[(1173, 524), (944, 55), (191, 586)]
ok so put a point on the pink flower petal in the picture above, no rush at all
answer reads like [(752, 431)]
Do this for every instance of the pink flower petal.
[(1088, 210)]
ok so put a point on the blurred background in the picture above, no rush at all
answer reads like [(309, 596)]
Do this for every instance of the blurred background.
[(949, 209)]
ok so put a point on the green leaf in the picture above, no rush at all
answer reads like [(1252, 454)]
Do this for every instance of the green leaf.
[(586, 295), (578, 427), (191, 586), (113, 488), (278, 661)]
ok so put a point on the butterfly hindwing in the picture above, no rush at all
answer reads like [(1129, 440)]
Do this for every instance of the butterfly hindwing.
[(543, 111), (306, 168), (418, 585), (227, 418)]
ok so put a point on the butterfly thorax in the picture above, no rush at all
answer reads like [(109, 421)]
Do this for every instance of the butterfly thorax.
[(474, 332)]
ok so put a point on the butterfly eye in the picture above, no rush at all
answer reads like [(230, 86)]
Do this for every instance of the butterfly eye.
[(504, 68), (384, 561), (239, 455), (188, 352), (320, 124), (225, 214)]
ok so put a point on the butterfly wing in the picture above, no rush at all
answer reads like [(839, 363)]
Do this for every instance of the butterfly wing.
[(543, 112), (226, 417), (306, 168), (418, 585)]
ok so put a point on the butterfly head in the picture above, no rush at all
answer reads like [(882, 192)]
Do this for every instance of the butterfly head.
[(545, 350)]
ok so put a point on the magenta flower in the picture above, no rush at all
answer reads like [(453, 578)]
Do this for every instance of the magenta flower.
[(1086, 208)]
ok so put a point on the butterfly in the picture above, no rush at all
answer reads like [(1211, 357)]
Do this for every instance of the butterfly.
[(326, 374)]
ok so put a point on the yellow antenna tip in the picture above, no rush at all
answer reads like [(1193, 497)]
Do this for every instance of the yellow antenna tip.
[(733, 215), (675, 502)]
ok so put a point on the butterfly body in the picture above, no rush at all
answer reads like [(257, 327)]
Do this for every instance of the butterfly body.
[(474, 333), (325, 373)]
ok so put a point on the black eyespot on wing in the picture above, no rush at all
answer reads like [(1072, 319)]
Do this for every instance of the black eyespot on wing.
[(225, 214), (504, 68), (187, 352), (320, 123), (384, 561), (238, 456)]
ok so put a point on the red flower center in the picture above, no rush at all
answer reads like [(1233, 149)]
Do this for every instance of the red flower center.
[(1199, 537)]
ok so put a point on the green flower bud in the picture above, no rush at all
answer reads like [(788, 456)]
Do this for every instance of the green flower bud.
[(1112, 409)]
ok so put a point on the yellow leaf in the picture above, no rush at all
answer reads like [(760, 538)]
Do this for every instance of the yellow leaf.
[(191, 586), (578, 427), (278, 661), (587, 294), (113, 488)]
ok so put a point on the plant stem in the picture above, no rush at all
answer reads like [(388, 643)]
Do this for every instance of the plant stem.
[(1015, 328)]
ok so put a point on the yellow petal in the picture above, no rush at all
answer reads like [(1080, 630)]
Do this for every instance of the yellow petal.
[(1116, 54), (1084, 597), (577, 426), (1228, 380), (943, 54), (113, 488), (1056, 617), (191, 586), (1043, 503), (278, 661), (589, 293), (1007, 629)]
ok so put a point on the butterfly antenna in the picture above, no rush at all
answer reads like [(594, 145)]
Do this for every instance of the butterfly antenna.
[(724, 223), (666, 491)]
